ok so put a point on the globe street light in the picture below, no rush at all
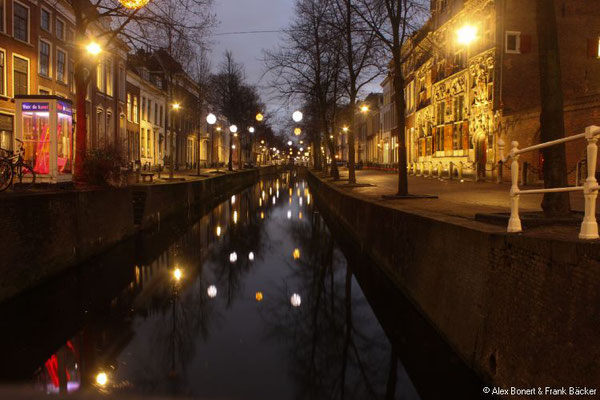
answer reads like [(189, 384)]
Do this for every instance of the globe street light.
[(93, 48), (289, 142), (251, 129), (211, 119), (297, 116), (259, 117)]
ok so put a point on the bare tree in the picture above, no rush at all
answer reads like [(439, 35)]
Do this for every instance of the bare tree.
[(394, 22), (552, 116), (359, 53), (307, 67)]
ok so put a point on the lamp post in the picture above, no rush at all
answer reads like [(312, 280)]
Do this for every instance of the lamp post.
[(211, 119), (174, 107), (232, 130)]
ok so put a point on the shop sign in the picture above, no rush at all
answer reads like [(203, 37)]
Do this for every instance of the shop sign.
[(35, 107), (64, 108)]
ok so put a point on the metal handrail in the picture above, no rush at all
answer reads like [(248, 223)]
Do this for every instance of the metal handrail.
[(589, 226)]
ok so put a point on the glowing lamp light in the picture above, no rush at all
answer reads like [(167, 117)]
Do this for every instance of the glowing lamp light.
[(297, 116), (233, 146), (212, 291), (251, 129), (218, 231), (235, 217), (295, 300), (177, 274), (211, 119), (233, 128), (297, 131), (274, 200), (289, 214), (296, 253), (364, 109), (251, 256), (233, 257), (102, 378), (134, 4), (259, 117), (176, 106), (345, 129), (233, 199), (289, 142), (300, 215), (262, 215), (466, 35), (259, 296), (93, 48)]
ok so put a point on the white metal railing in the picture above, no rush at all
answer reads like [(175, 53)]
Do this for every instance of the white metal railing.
[(589, 226)]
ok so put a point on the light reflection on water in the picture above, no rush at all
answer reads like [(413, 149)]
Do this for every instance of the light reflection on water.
[(254, 300)]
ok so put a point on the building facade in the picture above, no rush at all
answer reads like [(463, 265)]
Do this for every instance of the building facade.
[(473, 83)]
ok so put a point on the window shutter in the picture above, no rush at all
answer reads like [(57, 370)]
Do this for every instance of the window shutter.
[(592, 47), (525, 44)]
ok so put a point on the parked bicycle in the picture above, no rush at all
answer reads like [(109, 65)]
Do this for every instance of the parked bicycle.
[(15, 170)]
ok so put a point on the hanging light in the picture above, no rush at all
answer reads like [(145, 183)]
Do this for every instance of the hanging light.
[(211, 119), (101, 378), (134, 4), (296, 253), (259, 117), (297, 131), (233, 257), (297, 116), (259, 296)]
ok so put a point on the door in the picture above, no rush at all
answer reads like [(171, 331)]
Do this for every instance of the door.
[(480, 155)]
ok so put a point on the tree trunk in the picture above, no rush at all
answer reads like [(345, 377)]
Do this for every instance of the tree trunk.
[(552, 117), (399, 103), (351, 148), (81, 126)]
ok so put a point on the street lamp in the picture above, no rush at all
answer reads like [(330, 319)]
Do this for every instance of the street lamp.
[(289, 142), (345, 129), (259, 117), (364, 109), (232, 129), (466, 35), (174, 107), (251, 129), (297, 131), (297, 116), (93, 48), (211, 119)]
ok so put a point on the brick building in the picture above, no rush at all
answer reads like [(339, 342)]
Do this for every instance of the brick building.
[(463, 96)]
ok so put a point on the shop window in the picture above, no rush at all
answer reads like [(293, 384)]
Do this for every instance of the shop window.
[(60, 29), (36, 140), (6, 131), (513, 42), (20, 22), (64, 140), (20, 75), (44, 59)]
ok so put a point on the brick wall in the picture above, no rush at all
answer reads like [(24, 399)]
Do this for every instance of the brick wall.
[(520, 311)]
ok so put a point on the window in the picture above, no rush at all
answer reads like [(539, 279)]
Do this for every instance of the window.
[(161, 115), (60, 29), (513, 42), (1, 15), (72, 76), (44, 91), (44, 59), (20, 75), (100, 125), (61, 63), (155, 113), (108, 66), (143, 108), (45, 19), (149, 114), (128, 106), (441, 110), (99, 80), (2, 72), (21, 22), (135, 109), (6, 131), (459, 106)]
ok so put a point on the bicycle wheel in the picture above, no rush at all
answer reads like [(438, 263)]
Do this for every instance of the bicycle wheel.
[(6, 175), (24, 176)]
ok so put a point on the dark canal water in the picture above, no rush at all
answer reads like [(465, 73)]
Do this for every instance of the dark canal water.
[(254, 300)]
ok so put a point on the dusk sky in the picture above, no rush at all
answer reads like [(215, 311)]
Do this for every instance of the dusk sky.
[(250, 15)]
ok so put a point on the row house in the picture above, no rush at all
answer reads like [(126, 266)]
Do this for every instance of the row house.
[(37, 55), (473, 83), (367, 123)]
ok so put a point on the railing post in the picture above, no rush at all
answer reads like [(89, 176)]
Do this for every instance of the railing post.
[(514, 223), (500, 166), (589, 226)]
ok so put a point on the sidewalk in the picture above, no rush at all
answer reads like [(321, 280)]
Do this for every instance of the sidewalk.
[(455, 199)]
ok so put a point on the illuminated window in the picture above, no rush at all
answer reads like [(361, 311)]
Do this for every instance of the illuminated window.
[(20, 75), (109, 74), (61, 64), (44, 59)]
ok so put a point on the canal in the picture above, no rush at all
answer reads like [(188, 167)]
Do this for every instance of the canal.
[(255, 299)]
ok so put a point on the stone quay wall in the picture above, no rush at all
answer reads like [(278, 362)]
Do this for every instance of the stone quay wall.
[(521, 311), (42, 234)]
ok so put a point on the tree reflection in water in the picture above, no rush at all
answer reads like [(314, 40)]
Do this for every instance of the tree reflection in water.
[(337, 348)]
